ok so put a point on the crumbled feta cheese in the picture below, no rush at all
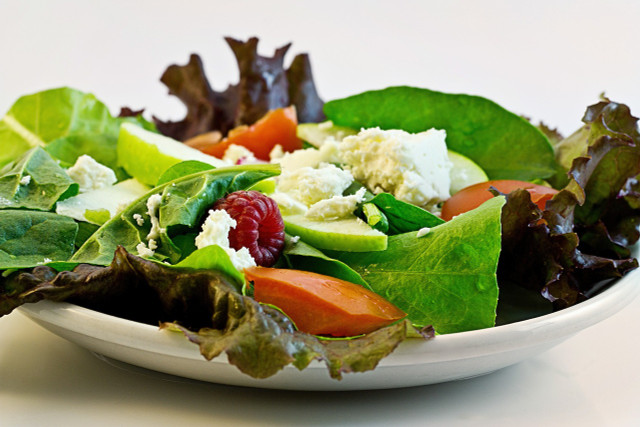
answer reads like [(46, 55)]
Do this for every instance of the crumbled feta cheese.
[(310, 157), (413, 167), (25, 180), (287, 204), (91, 175), (423, 231), (139, 219), (295, 239), (309, 185), (276, 152), (144, 251), (237, 153), (215, 231), (153, 205), (5, 202), (336, 207)]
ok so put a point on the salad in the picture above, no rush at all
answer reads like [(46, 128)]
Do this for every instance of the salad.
[(280, 229)]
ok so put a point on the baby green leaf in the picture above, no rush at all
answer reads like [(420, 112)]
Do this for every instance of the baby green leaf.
[(30, 238), (34, 181)]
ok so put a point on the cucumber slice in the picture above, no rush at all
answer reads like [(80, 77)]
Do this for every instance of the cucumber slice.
[(465, 172), (349, 234), (316, 133), (146, 155)]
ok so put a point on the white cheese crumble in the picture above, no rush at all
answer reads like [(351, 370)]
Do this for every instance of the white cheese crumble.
[(276, 152), (415, 168), (235, 154), (5, 202), (153, 205), (91, 175), (336, 207), (309, 157), (423, 231), (25, 180), (215, 231), (139, 219), (309, 185), (287, 204), (147, 252)]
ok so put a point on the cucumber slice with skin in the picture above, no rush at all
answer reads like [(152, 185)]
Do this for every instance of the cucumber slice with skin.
[(465, 172), (316, 133), (349, 234)]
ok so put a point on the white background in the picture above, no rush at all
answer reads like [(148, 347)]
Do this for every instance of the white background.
[(545, 59)]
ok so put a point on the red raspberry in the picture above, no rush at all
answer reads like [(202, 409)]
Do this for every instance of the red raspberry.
[(260, 227)]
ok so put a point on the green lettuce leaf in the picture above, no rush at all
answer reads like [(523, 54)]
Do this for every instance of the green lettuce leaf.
[(181, 169), (184, 203), (34, 181), (206, 307), (503, 144), (301, 256), (446, 278), (31, 238), (67, 123)]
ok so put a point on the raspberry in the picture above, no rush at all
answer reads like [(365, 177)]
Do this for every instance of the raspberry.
[(260, 227)]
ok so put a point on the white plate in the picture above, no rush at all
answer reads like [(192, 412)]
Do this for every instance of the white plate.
[(413, 363)]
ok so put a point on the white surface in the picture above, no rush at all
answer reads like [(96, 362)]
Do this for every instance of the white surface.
[(547, 59), (414, 363)]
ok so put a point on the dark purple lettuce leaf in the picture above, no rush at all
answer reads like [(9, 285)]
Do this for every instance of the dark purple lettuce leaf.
[(540, 252), (264, 85), (206, 109), (263, 82), (302, 91), (206, 306)]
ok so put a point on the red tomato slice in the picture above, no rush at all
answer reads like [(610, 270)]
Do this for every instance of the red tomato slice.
[(474, 195), (322, 305), (276, 127)]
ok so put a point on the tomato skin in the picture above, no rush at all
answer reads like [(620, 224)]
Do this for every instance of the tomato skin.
[(474, 195), (322, 305), (276, 127)]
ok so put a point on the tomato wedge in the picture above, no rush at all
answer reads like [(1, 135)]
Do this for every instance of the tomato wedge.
[(276, 127), (474, 195), (322, 305)]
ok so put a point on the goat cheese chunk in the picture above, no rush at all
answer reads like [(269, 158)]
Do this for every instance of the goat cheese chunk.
[(336, 207), (215, 231), (237, 154), (414, 168), (309, 157), (309, 185), (91, 175)]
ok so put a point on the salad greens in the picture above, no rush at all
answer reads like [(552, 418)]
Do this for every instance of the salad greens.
[(30, 238), (507, 260), (34, 181)]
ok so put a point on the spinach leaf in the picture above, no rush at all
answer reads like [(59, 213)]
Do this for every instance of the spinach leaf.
[(446, 278), (30, 238), (181, 169), (34, 181), (302, 256), (212, 258), (505, 145), (404, 217), (184, 202)]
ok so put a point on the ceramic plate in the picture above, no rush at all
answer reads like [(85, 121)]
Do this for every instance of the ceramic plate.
[(414, 362)]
